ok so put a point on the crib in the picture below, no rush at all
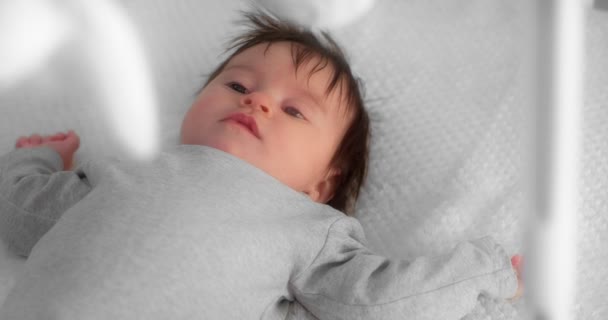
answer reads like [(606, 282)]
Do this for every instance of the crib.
[(447, 87)]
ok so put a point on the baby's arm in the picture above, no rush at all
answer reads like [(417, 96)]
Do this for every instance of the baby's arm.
[(35, 189), (347, 281)]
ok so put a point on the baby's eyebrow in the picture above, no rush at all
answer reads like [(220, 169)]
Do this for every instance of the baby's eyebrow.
[(243, 67)]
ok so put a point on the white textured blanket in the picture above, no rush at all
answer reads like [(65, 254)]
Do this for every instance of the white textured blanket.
[(445, 92)]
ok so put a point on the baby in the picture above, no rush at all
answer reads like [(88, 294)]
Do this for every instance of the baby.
[(245, 219)]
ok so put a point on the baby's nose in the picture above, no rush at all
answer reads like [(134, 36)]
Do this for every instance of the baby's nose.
[(257, 100)]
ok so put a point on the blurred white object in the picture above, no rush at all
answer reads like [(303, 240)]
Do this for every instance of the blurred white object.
[(32, 31), (551, 267), (117, 60), (327, 14)]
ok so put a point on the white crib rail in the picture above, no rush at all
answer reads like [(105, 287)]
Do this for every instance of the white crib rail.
[(550, 271)]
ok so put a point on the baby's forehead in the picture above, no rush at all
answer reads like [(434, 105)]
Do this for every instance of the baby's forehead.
[(296, 55)]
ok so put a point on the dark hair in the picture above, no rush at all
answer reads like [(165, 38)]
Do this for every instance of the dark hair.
[(351, 157)]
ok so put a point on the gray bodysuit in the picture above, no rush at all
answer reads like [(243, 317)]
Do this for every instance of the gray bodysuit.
[(200, 234)]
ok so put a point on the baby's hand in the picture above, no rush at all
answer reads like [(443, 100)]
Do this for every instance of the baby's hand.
[(65, 144), (516, 262)]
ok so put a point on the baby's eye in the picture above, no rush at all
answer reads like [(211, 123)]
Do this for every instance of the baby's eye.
[(237, 87), (293, 112)]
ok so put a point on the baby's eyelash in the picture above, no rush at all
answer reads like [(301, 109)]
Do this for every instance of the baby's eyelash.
[(237, 87), (294, 112)]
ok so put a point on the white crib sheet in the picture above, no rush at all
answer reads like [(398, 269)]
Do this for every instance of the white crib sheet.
[(445, 92)]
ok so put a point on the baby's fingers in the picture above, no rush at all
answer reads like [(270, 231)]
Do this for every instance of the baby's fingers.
[(21, 142), (30, 141), (56, 137), (35, 139), (517, 262)]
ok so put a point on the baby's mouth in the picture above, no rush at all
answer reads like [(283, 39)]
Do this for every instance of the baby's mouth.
[(246, 121)]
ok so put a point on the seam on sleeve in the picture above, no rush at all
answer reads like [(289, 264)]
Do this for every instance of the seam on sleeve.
[(401, 298), (29, 213), (319, 252), (43, 154), (23, 210)]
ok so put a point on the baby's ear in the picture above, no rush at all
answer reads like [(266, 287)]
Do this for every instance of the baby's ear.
[(325, 189)]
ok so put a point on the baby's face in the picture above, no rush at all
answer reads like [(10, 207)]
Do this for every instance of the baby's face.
[(260, 110)]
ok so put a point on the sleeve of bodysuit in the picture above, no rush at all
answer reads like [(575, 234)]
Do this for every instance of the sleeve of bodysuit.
[(34, 193), (347, 281)]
